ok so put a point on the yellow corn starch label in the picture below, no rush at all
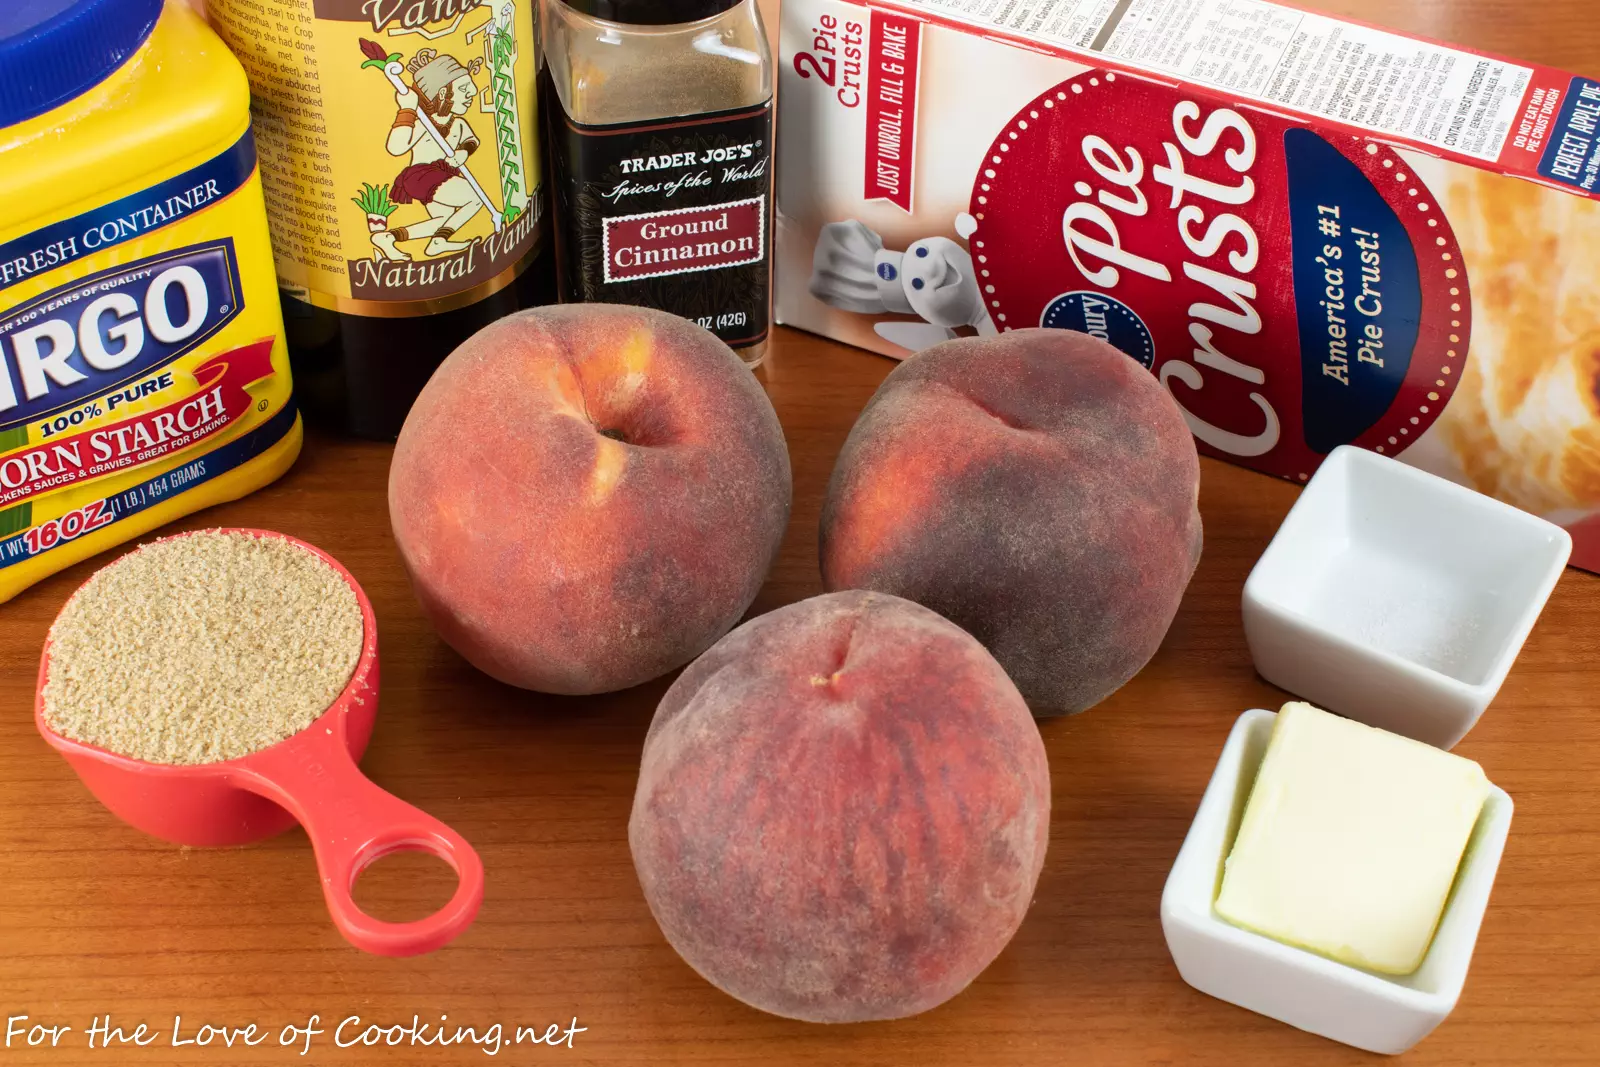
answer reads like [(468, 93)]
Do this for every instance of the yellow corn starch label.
[(133, 369), (399, 145)]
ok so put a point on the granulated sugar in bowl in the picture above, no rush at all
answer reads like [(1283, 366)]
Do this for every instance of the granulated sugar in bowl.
[(202, 648), (215, 688)]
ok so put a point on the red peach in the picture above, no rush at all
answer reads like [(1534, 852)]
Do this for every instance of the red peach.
[(1039, 490), (586, 497), (842, 810)]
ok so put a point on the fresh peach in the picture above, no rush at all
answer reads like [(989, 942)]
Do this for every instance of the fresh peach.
[(842, 810), (1039, 490), (587, 497)]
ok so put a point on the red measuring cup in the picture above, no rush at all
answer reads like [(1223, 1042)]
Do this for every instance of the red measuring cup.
[(311, 778)]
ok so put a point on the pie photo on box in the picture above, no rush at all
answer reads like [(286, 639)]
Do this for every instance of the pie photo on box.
[(1524, 423)]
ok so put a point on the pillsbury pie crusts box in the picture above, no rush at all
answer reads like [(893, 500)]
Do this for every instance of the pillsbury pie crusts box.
[(1313, 232)]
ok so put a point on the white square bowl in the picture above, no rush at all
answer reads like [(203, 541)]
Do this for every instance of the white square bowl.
[(1379, 1013), (1397, 598)]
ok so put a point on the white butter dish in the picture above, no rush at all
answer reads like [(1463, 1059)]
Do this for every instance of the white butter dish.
[(1397, 598), (1379, 1013)]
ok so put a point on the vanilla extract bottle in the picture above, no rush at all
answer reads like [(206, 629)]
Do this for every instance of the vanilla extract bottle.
[(399, 147), (659, 121)]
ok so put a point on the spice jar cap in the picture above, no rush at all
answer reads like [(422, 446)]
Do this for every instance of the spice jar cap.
[(652, 12), (52, 50)]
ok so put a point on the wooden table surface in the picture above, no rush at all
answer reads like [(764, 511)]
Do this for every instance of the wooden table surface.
[(96, 919)]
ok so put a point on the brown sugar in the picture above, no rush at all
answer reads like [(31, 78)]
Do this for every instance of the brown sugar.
[(202, 648)]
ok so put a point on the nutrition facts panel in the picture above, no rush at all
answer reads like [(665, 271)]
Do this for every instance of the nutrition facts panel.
[(1381, 81), (1074, 23)]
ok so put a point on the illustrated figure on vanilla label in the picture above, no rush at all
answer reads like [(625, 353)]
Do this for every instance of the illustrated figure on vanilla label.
[(934, 279), (432, 133), (431, 130)]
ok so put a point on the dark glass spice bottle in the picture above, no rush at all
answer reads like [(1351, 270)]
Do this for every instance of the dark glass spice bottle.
[(659, 115)]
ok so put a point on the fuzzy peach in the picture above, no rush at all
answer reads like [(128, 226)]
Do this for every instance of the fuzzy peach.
[(842, 810), (1039, 490), (587, 497)]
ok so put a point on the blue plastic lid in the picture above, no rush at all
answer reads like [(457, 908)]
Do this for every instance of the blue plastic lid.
[(52, 50)]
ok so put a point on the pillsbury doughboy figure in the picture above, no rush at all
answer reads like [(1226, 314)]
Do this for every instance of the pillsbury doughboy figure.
[(933, 278)]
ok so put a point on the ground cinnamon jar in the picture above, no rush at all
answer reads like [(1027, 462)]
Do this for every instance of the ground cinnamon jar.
[(659, 115)]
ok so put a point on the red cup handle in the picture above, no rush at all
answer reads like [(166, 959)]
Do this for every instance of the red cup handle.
[(352, 823)]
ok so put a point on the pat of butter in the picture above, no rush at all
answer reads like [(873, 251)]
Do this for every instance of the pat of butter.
[(1350, 840)]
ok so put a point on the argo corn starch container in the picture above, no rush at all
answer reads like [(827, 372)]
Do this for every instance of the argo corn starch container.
[(143, 372)]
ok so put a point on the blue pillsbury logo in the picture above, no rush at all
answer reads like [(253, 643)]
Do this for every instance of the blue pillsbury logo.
[(887, 272), (1104, 317)]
